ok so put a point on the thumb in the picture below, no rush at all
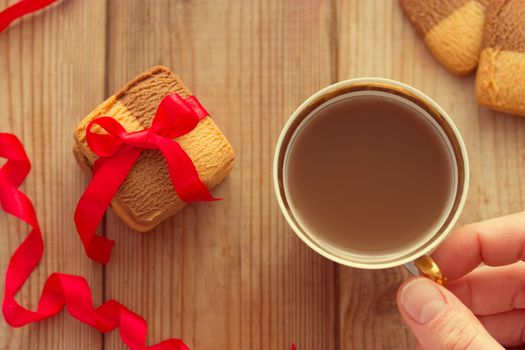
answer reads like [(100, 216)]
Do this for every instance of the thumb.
[(439, 320)]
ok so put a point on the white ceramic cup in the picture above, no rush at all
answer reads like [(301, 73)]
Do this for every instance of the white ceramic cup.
[(428, 109)]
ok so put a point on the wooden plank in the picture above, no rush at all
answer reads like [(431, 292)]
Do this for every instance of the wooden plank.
[(52, 66), (375, 39), (227, 275)]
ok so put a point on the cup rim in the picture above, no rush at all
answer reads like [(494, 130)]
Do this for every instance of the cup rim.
[(418, 252)]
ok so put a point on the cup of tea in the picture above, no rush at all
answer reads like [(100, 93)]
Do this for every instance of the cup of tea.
[(371, 173)]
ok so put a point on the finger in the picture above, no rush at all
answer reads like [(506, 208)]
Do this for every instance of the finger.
[(495, 242), (439, 320), (419, 346), (507, 328), (491, 290)]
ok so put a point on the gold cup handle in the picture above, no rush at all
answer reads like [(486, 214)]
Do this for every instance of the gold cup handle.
[(427, 267)]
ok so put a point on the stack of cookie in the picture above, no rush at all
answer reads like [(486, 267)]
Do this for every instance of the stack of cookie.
[(147, 197), (488, 34)]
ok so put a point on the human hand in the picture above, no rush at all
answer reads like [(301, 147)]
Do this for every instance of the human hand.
[(482, 307)]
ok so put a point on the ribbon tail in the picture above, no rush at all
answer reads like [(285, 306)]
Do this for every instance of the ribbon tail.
[(21, 265), (60, 289), (18, 166), (27, 256), (183, 174), (19, 9), (109, 175), (171, 344)]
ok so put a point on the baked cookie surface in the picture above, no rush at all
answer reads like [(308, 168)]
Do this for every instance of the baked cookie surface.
[(452, 30), (501, 72), (147, 196)]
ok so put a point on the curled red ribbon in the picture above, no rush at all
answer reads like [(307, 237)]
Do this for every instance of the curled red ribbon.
[(60, 289), (118, 150), (19, 9)]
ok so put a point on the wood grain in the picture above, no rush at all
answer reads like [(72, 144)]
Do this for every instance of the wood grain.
[(227, 275), (375, 39), (52, 68)]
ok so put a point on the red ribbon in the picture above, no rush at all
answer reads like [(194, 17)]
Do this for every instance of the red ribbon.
[(19, 9), (60, 289), (118, 150)]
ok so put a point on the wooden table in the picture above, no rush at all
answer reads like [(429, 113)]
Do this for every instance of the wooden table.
[(228, 275)]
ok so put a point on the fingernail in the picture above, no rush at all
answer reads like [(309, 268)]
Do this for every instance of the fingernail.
[(422, 300)]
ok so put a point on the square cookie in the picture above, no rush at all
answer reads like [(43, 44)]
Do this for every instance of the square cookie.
[(147, 196)]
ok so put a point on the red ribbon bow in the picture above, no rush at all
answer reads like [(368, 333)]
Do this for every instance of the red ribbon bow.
[(60, 289), (118, 150)]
